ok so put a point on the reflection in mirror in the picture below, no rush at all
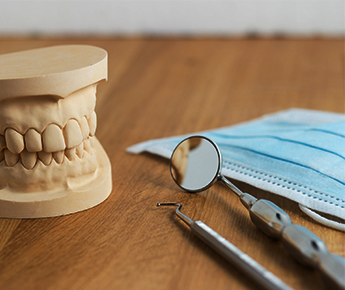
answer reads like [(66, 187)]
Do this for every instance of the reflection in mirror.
[(195, 163)]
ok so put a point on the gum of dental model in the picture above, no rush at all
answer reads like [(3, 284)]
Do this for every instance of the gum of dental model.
[(51, 163)]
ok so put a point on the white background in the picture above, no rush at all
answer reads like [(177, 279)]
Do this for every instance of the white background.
[(173, 17)]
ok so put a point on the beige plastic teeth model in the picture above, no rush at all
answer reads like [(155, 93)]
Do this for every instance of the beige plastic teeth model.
[(51, 163)]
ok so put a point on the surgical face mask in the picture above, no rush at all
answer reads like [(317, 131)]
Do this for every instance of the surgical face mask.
[(298, 154)]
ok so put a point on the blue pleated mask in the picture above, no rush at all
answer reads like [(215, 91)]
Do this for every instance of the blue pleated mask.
[(298, 154)]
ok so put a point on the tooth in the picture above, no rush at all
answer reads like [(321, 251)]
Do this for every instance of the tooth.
[(73, 134), (53, 140), (2, 142), (59, 156), (70, 153), (14, 141), (2, 156), (33, 141), (10, 158), (29, 159), (84, 128), (45, 157), (87, 146), (92, 141), (93, 123), (80, 150)]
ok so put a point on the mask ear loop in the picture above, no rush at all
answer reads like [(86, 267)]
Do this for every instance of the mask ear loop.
[(322, 220)]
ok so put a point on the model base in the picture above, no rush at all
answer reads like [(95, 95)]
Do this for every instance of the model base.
[(77, 197)]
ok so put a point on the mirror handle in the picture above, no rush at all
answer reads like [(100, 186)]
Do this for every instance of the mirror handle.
[(246, 199), (301, 243)]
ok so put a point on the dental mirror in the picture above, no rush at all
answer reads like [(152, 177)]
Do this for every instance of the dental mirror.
[(196, 164)]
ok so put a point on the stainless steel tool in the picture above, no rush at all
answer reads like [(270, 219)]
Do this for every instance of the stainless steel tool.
[(231, 253)]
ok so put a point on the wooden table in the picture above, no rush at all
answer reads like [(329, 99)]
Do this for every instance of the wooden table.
[(160, 88)]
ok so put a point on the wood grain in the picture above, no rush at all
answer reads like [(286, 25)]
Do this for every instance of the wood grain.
[(159, 88)]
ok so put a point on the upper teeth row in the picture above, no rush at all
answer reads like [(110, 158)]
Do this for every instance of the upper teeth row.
[(52, 139)]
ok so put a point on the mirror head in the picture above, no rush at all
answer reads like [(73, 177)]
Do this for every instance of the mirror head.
[(195, 163)]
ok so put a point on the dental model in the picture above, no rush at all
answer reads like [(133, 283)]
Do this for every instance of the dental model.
[(51, 163)]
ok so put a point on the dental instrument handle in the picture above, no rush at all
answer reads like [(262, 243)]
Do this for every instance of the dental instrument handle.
[(301, 243), (237, 257), (231, 253)]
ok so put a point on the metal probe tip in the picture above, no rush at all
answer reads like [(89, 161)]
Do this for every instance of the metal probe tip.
[(170, 203), (185, 218)]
